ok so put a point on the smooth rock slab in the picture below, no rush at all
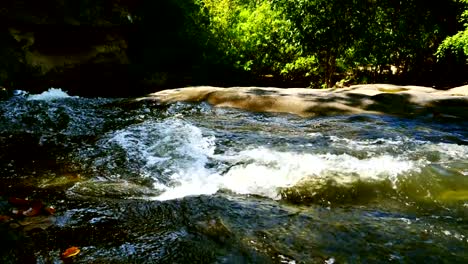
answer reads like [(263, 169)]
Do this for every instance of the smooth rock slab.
[(370, 98)]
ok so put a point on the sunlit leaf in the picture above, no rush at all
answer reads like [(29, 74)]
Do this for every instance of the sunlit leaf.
[(70, 252)]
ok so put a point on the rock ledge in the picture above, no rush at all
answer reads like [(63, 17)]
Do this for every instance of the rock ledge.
[(369, 98)]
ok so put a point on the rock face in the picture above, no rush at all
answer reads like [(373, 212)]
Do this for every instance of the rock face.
[(53, 47), (373, 98), (79, 46), (76, 58), (110, 48)]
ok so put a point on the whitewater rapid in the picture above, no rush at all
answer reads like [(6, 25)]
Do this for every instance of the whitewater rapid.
[(196, 150), (183, 161)]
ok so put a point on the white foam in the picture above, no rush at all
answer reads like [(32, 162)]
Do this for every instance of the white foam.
[(269, 170), (19, 93), (175, 149), (449, 151), (51, 94), (369, 144), (181, 152), (266, 170)]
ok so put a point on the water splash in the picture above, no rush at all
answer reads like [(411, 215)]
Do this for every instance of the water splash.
[(51, 94), (173, 153), (181, 160), (262, 171)]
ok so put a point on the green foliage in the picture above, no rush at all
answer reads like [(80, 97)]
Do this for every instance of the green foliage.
[(306, 68), (458, 43), (346, 36), (251, 36), (326, 29), (320, 42), (305, 42)]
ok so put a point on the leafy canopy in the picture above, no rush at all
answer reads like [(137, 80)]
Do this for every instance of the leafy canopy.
[(458, 43)]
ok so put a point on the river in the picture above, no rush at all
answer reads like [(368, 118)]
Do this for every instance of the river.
[(189, 183)]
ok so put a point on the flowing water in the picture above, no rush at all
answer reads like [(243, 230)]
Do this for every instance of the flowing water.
[(188, 183)]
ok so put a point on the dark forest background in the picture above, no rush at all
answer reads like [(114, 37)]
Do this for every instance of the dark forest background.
[(132, 47)]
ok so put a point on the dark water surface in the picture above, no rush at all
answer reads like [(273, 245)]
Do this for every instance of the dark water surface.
[(144, 183)]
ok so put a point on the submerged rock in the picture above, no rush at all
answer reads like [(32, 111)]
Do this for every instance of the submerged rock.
[(114, 189), (215, 229)]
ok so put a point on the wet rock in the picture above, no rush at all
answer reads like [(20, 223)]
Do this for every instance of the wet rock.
[(116, 189), (215, 229), (36, 223)]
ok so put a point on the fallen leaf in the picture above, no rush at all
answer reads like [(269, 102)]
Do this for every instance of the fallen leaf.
[(70, 252), (5, 218)]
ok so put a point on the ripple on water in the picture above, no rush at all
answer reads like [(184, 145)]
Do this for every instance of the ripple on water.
[(222, 185)]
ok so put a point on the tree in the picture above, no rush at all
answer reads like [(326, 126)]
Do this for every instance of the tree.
[(458, 43), (251, 35)]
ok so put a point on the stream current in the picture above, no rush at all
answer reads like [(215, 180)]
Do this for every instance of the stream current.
[(188, 183)]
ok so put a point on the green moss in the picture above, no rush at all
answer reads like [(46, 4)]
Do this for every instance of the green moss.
[(392, 90)]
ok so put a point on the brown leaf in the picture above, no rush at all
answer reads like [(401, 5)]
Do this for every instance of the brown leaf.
[(70, 252)]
